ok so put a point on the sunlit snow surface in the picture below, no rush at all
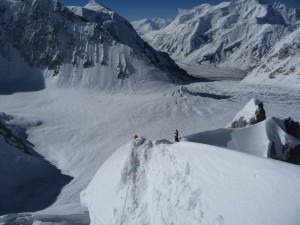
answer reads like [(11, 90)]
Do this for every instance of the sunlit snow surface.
[(81, 129), (156, 182)]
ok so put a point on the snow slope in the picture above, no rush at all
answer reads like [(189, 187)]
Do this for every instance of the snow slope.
[(157, 182)]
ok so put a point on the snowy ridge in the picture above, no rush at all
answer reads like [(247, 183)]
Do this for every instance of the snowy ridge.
[(234, 34), (266, 139), (157, 182), (82, 48)]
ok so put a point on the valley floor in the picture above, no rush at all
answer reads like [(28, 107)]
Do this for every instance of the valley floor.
[(81, 129)]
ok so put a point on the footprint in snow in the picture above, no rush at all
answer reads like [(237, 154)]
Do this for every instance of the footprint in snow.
[(219, 221)]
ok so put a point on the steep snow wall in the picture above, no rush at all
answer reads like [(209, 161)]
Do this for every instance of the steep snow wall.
[(157, 182)]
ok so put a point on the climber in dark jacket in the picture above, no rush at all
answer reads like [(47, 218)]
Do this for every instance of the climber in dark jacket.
[(176, 136)]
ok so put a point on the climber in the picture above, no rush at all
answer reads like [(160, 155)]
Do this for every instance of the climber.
[(135, 137), (176, 136)]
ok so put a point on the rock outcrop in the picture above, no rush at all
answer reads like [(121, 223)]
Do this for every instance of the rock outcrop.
[(292, 127), (252, 113), (12, 139)]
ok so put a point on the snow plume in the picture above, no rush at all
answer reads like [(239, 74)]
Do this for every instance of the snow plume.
[(157, 182)]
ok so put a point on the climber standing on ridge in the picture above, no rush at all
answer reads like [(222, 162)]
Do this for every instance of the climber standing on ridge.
[(176, 136)]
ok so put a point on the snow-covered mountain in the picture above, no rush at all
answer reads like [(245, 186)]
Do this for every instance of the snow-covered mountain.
[(234, 34), (86, 47), (146, 25), (281, 64)]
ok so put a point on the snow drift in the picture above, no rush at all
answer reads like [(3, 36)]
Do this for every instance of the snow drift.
[(157, 182)]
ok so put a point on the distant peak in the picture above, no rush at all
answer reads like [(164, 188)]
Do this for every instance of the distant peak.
[(250, 1), (94, 5)]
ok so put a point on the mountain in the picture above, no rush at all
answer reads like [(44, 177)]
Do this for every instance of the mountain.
[(43, 43), (235, 34), (147, 25), (158, 182), (281, 64)]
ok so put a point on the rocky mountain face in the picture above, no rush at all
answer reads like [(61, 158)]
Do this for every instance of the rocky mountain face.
[(236, 34), (70, 43)]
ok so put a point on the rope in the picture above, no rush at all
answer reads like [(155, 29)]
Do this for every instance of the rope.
[(125, 202)]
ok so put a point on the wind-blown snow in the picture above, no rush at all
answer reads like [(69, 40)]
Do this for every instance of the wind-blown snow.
[(156, 182)]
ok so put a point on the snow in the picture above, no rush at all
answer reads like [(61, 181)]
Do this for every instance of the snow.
[(281, 65), (84, 47), (156, 182), (146, 25), (82, 128), (255, 140), (112, 86)]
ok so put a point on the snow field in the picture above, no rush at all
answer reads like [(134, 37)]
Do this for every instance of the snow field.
[(81, 128)]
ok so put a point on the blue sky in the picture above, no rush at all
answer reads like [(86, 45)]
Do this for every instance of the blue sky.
[(139, 9)]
